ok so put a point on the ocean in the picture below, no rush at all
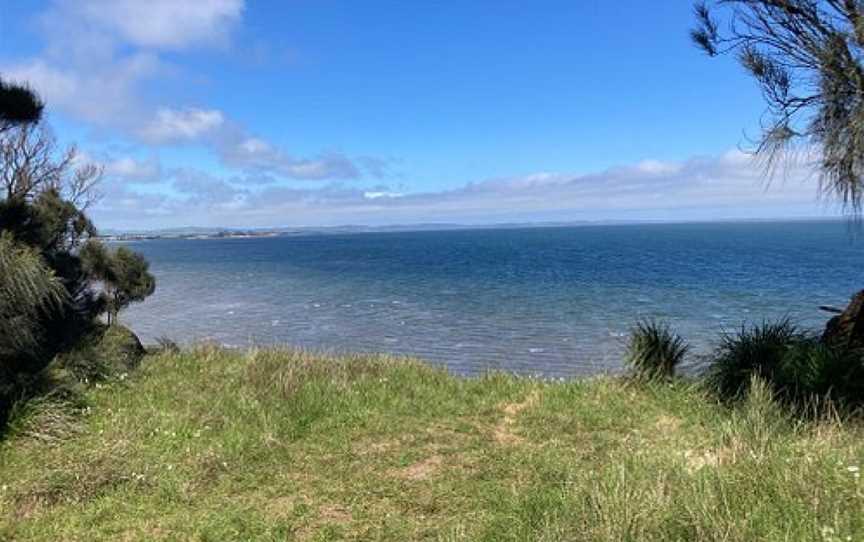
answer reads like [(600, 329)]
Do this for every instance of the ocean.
[(553, 302)]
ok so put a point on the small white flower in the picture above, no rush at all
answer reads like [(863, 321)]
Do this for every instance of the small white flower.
[(852, 468)]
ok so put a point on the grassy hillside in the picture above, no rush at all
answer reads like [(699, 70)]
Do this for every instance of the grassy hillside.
[(269, 445)]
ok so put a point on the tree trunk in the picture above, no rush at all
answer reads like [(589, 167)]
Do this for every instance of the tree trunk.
[(846, 330)]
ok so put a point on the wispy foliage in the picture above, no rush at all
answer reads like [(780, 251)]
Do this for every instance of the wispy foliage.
[(805, 56), (27, 289)]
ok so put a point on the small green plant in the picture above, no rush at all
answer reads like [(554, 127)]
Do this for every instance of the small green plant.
[(655, 350)]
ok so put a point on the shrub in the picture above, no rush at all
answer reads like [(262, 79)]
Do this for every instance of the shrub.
[(802, 372), (654, 350), (754, 351), (811, 373)]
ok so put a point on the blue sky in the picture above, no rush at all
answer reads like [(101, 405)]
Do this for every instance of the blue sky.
[(323, 112)]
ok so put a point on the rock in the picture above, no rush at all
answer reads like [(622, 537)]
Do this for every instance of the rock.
[(108, 352), (846, 330), (122, 348)]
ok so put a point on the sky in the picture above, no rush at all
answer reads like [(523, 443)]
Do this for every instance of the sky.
[(280, 113)]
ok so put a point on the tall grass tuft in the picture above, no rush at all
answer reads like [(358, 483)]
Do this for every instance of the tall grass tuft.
[(754, 351), (655, 350), (802, 372)]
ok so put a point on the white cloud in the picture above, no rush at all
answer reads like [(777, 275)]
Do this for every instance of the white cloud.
[(170, 125), (100, 54), (103, 93), (255, 154), (728, 186), (160, 24), (129, 169), (381, 194)]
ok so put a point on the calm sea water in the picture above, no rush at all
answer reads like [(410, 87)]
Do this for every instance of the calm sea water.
[(550, 301)]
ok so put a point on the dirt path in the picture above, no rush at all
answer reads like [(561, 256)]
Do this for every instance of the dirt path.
[(504, 434)]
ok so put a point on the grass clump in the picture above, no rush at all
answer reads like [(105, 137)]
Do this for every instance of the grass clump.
[(654, 350), (803, 373), (753, 351), (208, 444)]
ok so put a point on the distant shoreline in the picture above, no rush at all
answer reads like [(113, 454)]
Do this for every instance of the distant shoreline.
[(221, 233)]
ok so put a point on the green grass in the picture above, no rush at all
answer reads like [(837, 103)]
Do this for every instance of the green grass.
[(269, 445)]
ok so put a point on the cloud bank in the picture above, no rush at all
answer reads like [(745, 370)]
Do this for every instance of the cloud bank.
[(721, 187)]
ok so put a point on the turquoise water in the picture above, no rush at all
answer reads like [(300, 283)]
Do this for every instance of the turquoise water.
[(550, 301)]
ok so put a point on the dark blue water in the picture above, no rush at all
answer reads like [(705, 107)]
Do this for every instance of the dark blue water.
[(552, 301)]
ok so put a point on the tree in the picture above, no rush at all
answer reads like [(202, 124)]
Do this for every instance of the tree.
[(44, 194), (806, 57), (31, 163), (124, 274), (18, 104)]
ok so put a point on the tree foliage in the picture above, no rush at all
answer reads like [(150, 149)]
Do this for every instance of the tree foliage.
[(28, 289), (806, 56), (18, 104), (124, 275), (42, 206)]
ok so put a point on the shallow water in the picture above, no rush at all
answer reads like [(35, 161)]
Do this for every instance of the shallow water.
[(550, 301)]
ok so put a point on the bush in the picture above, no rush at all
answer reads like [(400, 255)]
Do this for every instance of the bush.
[(755, 351), (801, 371), (654, 350), (811, 373)]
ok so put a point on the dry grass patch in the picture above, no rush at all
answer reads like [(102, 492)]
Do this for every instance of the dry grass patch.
[(504, 432), (421, 470)]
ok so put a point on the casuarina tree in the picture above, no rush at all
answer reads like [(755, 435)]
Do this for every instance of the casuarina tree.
[(806, 57), (51, 297)]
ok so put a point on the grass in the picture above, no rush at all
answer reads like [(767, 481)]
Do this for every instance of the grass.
[(280, 445)]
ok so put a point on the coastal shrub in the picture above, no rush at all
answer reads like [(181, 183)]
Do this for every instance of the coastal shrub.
[(654, 350), (28, 290), (812, 375), (752, 351), (801, 371)]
